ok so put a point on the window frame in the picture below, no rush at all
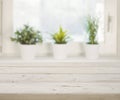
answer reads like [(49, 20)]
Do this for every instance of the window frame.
[(111, 40)]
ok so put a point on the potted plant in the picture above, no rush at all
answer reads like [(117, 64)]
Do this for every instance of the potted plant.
[(28, 37), (92, 45), (60, 40)]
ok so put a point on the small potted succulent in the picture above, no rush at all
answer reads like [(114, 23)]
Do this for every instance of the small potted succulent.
[(92, 45), (60, 40), (27, 37)]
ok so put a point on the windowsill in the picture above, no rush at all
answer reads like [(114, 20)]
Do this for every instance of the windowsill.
[(50, 61)]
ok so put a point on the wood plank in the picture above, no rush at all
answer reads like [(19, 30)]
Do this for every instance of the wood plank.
[(60, 70), (83, 78), (60, 88), (51, 62), (60, 96)]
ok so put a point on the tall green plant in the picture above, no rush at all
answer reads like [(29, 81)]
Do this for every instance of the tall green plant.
[(27, 35), (92, 29), (60, 37)]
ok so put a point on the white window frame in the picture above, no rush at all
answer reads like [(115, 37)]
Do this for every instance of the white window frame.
[(0, 25), (109, 47)]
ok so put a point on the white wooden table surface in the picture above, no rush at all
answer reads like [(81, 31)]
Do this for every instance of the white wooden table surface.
[(49, 76)]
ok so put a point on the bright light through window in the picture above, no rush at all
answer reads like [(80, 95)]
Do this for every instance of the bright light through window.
[(48, 15)]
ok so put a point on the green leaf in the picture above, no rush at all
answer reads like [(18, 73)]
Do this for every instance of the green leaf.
[(27, 35), (92, 29), (60, 37)]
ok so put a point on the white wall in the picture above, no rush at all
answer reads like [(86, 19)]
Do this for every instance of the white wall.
[(0, 24), (109, 47), (118, 25), (7, 27)]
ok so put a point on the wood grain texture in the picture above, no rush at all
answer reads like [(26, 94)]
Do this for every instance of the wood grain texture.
[(60, 77), (60, 70), (60, 97), (59, 88), (68, 78)]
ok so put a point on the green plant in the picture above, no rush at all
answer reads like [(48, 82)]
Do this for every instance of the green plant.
[(27, 35), (60, 37), (92, 29)]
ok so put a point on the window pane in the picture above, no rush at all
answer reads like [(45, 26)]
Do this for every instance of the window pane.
[(48, 15)]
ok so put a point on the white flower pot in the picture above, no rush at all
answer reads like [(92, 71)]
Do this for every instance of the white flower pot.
[(28, 52), (59, 51), (92, 51)]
